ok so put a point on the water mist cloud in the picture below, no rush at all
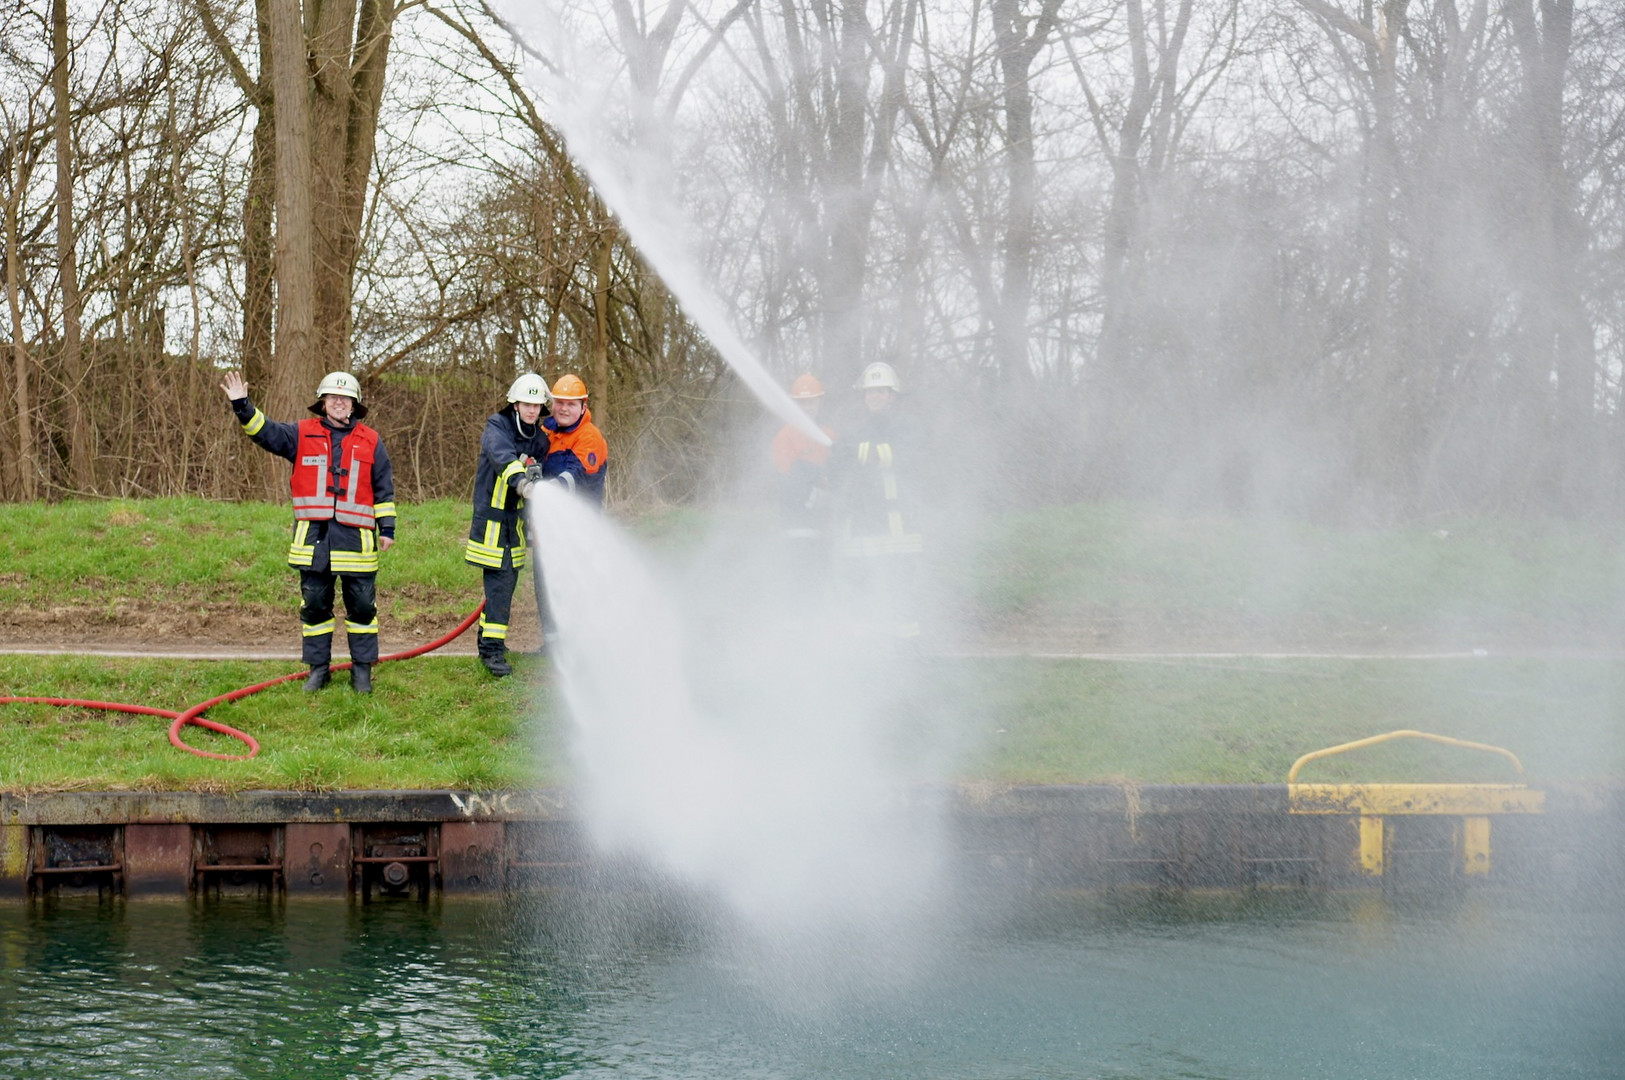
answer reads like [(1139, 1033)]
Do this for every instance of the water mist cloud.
[(743, 747)]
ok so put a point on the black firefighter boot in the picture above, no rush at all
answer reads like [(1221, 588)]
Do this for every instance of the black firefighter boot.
[(361, 678), (318, 678), (493, 654)]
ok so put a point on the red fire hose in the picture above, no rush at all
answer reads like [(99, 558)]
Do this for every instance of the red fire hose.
[(194, 715)]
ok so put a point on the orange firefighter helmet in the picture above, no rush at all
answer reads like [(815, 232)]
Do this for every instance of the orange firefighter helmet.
[(570, 388)]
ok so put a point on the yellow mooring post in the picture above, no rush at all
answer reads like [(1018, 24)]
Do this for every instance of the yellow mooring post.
[(1475, 804), (1371, 833)]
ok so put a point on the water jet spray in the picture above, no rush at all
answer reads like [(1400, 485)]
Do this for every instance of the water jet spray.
[(623, 180)]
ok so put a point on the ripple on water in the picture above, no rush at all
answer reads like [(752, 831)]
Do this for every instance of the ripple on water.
[(1071, 988)]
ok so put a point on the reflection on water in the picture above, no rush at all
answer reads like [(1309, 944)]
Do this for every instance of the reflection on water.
[(1329, 987)]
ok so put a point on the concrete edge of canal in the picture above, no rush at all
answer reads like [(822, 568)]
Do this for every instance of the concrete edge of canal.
[(364, 845)]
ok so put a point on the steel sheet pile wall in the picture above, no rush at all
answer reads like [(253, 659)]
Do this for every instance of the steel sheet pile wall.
[(376, 844)]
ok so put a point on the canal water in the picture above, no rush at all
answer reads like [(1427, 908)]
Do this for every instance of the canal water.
[(627, 986)]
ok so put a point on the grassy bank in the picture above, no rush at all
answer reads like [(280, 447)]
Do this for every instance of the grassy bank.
[(1145, 574), (442, 723), (1112, 575), (1247, 721), (157, 570), (436, 723), (1098, 576), (200, 554)]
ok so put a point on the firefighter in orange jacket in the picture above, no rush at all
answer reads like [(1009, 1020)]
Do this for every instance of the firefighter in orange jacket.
[(344, 516), (577, 457), (576, 451), (800, 462)]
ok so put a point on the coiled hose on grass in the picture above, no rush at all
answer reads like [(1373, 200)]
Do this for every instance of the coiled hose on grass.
[(194, 715)]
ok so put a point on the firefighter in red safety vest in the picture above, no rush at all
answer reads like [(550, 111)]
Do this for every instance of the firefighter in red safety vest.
[(344, 516), (513, 440)]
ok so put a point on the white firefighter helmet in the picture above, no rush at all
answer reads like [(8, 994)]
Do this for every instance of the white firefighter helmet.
[(880, 376), (343, 384), (530, 389)]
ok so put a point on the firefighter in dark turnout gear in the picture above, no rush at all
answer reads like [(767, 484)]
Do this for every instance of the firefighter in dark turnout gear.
[(513, 439), (877, 541), (344, 516)]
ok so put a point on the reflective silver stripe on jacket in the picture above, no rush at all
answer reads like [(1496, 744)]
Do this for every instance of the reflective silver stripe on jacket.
[(347, 509), (313, 507)]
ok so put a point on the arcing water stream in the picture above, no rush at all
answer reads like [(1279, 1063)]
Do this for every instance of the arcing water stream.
[(633, 179), (737, 736), (751, 755)]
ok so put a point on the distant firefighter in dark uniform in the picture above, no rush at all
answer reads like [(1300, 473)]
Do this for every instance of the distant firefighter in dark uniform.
[(513, 440), (344, 516), (871, 470)]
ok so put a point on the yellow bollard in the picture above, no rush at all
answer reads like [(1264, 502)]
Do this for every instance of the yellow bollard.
[(1371, 839), (1473, 803), (1475, 846)]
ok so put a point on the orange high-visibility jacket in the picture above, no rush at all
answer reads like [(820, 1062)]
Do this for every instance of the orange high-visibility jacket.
[(579, 450)]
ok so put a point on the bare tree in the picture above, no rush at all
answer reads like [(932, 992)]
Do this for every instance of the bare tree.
[(24, 143), (1021, 37), (1559, 341), (72, 357)]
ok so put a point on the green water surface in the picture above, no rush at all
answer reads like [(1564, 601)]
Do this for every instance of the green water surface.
[(627, 986)]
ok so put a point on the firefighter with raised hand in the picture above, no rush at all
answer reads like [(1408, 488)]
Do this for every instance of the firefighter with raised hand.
[(344, 516), (577, 454), (513, 440)]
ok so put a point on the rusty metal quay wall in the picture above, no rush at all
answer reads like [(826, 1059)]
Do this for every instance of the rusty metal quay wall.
[(372, 844)]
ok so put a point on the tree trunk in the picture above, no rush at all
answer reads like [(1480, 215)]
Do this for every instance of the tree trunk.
[(81, 462), (26, 484), (1122, 214), (1559, 333), (847, 225), (329, 27), (298, 368), (1387, 439), (259, 205), (348, 81), (1018, 48), (326, 117), (607, 233)]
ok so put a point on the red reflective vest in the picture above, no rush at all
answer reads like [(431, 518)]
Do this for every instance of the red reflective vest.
[(315, 496)]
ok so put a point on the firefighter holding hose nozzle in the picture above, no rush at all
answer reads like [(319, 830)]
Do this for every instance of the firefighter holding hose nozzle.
[(344, 516), (513, 441), (540, 435)]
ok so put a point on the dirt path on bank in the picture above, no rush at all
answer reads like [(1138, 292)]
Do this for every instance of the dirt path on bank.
[(242, 632), (273, 641), (190, 629)]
